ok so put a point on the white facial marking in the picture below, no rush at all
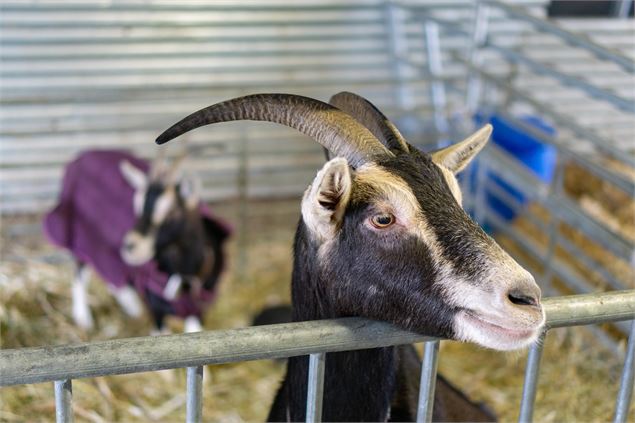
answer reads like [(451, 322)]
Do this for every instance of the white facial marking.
[(504, 335), (502, 325), (396, 197), (138, 200), (137, 249), (163, 206)]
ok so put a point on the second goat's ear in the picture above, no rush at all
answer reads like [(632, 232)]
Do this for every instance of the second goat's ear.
[(189, 190), (325, 200), (133, 175), (457, 156)]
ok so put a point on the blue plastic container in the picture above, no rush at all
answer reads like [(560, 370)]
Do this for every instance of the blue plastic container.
[(539, 157)]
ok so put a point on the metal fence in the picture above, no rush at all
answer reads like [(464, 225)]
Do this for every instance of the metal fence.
[(72, 79), (592, 118), (63, 363)]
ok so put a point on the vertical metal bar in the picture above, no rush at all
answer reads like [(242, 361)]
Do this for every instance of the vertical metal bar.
[(557, 188), (625, 394), (63, 400), (398, 44), (621, 8), (479, 37), (315, 388), (194, 401), (435, 68), (530, 384), (428, 381)]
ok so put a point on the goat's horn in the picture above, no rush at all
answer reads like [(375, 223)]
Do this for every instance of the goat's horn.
[(331, 127), (368, 115)]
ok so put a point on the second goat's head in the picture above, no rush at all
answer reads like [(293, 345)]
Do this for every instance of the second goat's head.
[(161, 202), (383, 234)]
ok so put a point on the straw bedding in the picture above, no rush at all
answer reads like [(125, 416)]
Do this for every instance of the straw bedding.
[(578, 379)]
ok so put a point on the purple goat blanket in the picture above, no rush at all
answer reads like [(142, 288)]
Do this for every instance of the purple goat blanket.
[(95, 212)]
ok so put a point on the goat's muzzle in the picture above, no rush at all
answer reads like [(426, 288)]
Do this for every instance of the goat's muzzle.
[(137, 249)]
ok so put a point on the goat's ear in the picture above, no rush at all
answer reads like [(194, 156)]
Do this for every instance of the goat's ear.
[(326, 198), (456, 157), (189, 190), (133, 175)]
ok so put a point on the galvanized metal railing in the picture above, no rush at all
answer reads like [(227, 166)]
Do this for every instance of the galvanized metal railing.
[(61, 364), (511, 72)]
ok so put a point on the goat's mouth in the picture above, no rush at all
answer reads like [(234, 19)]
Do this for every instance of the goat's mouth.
[(497, 334)]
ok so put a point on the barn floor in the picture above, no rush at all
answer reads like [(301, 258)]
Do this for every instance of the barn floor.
[(578, 379)]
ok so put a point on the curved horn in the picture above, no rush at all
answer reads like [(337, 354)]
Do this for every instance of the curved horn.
[(331, 127), (368, 115)]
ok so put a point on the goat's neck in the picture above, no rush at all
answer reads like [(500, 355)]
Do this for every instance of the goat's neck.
[(358, 385)]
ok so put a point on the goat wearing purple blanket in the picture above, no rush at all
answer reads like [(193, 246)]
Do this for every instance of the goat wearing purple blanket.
[(144, 231)]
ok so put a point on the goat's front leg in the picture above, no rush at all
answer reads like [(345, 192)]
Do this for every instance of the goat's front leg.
[(192, 324), (81, 310), (129, 301), (173, 287)]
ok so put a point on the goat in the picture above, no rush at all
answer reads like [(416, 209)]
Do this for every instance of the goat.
[(144, 231), (382, 235)]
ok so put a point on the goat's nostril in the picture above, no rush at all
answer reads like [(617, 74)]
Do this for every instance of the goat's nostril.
[(520, 298), (128, 246)]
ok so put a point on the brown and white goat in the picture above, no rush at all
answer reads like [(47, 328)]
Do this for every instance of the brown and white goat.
[(383, 235)]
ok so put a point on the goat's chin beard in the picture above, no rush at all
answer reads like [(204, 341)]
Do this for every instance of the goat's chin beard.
[(471, 328)]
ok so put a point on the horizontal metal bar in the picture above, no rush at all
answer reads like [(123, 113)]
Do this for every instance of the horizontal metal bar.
[(624, 104), (576, 39), (521, 209), (576, 310), (601, 143), (70, 23), (132, 355), (8, 41), (72, 92), (562, 207), (566, 79), (126, 55), (564, 272), (60, 8), (361, 64), (571, 278), (31, 365)]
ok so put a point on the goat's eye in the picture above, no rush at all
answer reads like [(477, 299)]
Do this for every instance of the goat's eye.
[(382, 220)]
